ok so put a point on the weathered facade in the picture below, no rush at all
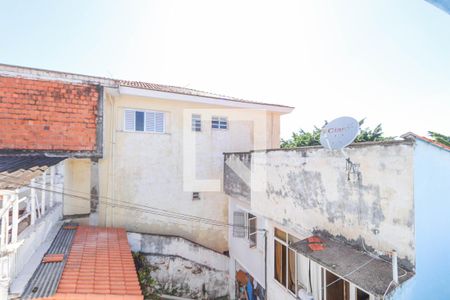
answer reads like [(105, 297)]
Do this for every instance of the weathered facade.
[(177, 169), (362, 209)]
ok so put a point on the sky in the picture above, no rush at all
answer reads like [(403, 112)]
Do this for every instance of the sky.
[(386, 61)]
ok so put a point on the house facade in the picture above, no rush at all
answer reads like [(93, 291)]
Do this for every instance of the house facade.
[(149, 151), (161, 169), (331, 226)]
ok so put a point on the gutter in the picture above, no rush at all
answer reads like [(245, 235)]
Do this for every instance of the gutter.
[(131, 91)]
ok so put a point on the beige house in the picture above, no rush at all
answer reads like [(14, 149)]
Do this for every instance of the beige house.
[(162, 165)]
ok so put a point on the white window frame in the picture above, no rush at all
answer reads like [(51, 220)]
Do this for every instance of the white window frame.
[(248, 233), (196, 118), (220, 120), (246, 228), (145, 120)]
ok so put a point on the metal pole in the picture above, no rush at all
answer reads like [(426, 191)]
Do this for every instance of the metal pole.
[(44, 178), (394, 267), (52, 184), (15, 217), (33, 202)]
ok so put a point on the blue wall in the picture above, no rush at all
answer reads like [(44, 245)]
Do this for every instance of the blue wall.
[(432, 225)]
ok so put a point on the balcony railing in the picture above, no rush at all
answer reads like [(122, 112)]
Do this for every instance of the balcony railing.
[(22, 208)]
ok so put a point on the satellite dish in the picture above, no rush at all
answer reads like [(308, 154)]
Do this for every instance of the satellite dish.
[(339, 133)]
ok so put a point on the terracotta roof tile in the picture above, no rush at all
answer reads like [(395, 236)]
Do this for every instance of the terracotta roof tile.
[(186, 91), (99, 266)]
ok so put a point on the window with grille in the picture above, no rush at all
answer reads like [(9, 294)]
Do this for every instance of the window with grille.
[(219, 122), (196, 122), (144, 121), (239, 224)]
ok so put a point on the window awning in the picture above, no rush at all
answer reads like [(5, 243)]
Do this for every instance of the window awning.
[(18, 170), (367, 272)]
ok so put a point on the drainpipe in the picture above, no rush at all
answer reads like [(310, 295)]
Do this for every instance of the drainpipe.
[(265, 264), (394, 267), (110, 208)]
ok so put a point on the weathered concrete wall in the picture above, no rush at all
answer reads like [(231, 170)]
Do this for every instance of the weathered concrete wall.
[(183, 278), (309, 189), (146, 169), (183, 268), (432, 207), (177, 246), (237, 172)]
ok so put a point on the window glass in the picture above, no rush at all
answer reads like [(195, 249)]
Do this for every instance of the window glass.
[(303, 272), (280, 263), (223, 123), (361, 295), (219, 122), (291, 271), (280, 234), (196, 123), (252, 232), (139, 121), (336, 287), (292, 239)]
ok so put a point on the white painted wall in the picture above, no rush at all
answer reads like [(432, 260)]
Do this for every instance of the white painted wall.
[(250, 258), (432, 221)]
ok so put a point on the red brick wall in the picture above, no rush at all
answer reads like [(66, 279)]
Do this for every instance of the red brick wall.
[(47, 115)]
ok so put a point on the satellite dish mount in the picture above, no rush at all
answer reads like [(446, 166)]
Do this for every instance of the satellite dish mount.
[(337, 135)]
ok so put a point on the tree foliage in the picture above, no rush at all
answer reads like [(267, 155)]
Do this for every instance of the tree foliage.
[(440, 138), (303, 138)]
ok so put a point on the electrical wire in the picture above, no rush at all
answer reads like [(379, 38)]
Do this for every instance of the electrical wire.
[(380, 258), (142, 208), (186, 217), (349, 273)]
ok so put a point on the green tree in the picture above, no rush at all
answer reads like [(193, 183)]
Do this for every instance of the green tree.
[(440, 138), (303, 138)]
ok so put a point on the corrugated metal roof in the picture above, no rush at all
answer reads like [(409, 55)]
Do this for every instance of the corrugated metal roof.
[(45, 279), (18, 170)]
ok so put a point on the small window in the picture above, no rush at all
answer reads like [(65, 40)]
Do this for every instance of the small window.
[(144, 121), (195, 196), (251, 229), (196, 123), (219, 122)]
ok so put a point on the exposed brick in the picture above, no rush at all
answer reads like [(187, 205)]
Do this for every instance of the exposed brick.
[(47, 115)]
